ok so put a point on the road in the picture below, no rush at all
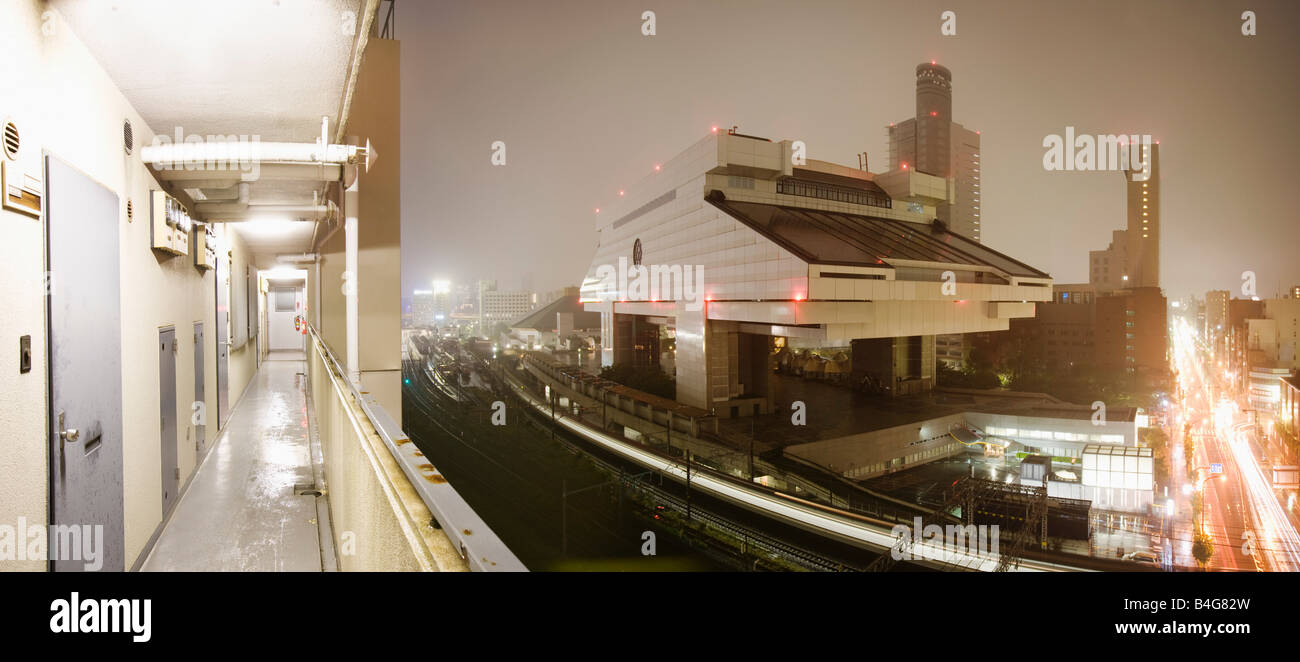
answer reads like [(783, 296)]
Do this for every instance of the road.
[(1242, 514)]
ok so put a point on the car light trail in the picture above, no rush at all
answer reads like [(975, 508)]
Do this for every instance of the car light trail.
[(1278, 535)]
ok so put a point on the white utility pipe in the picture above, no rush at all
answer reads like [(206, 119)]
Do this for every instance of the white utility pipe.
[(219, 177), (297, 258), (178, 155), (316, 307), (222, 213), (219, 210), (351, 198), (253, 213)]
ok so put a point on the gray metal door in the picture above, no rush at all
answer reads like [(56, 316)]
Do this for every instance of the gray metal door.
[(167, 414), (199, 410), (223, 338), (85, 366)]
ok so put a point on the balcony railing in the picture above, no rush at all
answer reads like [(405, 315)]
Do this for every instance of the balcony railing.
[(390, 508)]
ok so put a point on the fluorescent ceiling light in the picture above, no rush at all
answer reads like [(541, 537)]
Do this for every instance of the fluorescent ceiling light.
[(283, 273)]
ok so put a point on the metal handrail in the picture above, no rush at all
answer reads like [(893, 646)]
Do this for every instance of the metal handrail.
[(478, 545)]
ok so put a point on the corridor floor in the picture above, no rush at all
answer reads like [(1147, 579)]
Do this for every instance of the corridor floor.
[(241, 511)]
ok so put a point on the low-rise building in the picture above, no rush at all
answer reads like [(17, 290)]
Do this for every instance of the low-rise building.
[(1288, 408), (1132, 334), (558, 324), (505, 307)]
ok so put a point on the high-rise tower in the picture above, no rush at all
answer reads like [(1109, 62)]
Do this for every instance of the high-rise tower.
[(1133, 258), (934, 144), (1142, 190)]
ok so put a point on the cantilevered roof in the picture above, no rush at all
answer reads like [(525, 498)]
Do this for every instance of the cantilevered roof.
[(829, 237), (543, 319)]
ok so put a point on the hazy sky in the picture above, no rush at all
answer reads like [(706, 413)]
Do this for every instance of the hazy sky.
[(586, 104)]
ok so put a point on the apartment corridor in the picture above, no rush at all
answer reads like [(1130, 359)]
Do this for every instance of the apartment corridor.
[(242, 511)]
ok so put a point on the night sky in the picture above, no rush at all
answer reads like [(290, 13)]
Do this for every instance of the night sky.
[(586, 104)]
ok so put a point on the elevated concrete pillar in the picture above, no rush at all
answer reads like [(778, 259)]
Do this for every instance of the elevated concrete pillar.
[(893, 361), (692, 359)]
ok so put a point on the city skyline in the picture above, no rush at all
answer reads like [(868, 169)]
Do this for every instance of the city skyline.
[(575, 135), (905, 292)]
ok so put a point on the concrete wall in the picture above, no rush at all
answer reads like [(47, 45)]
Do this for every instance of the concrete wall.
[(243, 360), (78, 118), (692, 385), (376, 116), (333, 323), (23, 492), (378, 520)]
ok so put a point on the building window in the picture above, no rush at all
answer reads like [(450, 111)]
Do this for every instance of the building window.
[(740, 182), (837, 193)]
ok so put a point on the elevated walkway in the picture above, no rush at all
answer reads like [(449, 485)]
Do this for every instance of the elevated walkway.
[(310, 474), (241, 511)]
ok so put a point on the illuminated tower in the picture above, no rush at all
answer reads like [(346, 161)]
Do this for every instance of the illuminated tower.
[(1143, 196)]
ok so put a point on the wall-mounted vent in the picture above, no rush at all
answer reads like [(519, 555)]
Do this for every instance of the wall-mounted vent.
[(128, 137), (11, 141), (130, 210)]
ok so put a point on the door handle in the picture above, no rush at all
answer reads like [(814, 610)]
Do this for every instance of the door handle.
[(65, 436)]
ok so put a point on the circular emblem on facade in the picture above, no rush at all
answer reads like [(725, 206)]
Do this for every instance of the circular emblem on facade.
[(636, 252)]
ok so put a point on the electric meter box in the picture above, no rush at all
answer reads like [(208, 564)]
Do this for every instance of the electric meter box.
[(169, 224), (205, 246), (181, 233)]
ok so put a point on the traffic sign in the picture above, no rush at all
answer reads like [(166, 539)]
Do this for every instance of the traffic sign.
[(1216, 468)]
